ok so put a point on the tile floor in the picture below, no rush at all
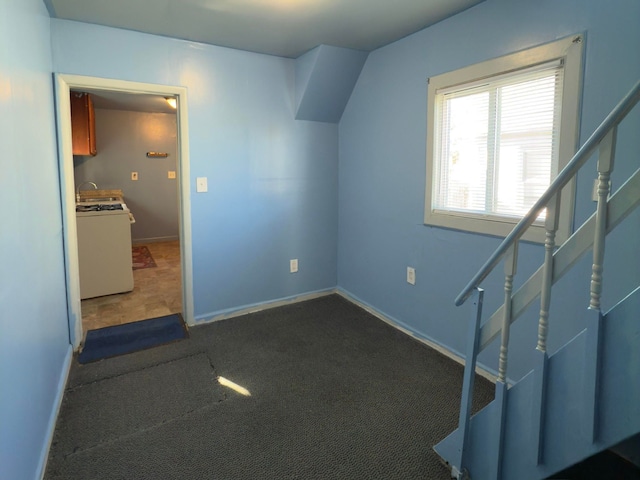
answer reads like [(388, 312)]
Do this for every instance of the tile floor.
[(156, 292)]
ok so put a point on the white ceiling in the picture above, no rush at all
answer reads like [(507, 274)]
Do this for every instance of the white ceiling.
[(286, 28)]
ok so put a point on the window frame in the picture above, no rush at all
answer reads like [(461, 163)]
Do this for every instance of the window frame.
[(569, 50)]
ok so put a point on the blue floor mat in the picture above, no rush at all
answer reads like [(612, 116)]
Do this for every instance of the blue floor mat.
[(131, 337)]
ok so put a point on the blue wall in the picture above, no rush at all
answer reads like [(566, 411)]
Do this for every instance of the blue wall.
[(382, 171), (272, 180), (325, 77), (274, 183), (34, 338)]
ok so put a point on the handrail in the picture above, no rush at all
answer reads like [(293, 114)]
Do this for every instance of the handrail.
[(581, 156), (621, 203)]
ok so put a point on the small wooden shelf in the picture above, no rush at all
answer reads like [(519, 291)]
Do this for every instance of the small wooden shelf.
[(83, 124)]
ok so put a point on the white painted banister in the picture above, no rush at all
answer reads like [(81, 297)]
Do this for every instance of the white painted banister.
[(581, 156), (621, 204), (611, 210)]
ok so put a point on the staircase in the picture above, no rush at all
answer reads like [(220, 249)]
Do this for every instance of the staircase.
[(584, 398)]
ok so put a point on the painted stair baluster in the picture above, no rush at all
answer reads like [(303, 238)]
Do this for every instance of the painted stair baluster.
[(605, 166), (606, 156), (551, 226), (510, 263), (510, 266), (542, 358)]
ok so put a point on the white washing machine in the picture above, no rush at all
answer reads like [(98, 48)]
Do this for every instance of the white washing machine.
[(104, 249)]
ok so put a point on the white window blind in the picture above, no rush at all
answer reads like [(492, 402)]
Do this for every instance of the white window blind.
[(497, 140)]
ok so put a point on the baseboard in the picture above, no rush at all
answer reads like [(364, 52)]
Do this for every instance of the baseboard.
[(139, 241), (55, 410), (258, 307), (481, 370)]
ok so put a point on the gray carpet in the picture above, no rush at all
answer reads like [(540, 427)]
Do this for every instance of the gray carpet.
[(335, 394)]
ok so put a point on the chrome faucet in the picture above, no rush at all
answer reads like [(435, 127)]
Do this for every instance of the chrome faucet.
[(95, 187)]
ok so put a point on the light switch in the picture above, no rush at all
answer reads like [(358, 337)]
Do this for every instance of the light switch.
[(411, 275), (134, 176), (171, 174), (201, 184)]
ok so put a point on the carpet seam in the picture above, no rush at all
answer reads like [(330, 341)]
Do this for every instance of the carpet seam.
[(155, 425), (335, 394), (143, 430), (92, 382)]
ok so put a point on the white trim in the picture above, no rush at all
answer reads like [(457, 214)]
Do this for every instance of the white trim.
[(259, 307), (55, 411), (481, 370), (63, 84), (570, 50)]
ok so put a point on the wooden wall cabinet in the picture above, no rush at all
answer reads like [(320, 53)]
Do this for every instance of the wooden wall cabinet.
[(83, 124)]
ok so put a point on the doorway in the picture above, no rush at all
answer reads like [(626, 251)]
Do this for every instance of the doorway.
[(66, 83)]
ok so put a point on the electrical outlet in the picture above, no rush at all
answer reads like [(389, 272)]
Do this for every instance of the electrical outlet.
[(411, 275), (134, 176), (171, 174), (201, 184), (293, 265)]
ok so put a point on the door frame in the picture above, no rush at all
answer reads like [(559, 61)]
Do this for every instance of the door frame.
[(63, 85)]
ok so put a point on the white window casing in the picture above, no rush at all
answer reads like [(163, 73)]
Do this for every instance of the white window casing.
[(498, 132)]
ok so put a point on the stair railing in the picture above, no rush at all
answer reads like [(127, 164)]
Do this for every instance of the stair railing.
[(609, 212)]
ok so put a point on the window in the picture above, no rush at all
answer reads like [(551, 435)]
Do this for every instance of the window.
[(499, 132)]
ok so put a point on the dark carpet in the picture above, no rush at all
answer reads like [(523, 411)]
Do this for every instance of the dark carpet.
[(335, 393), (120, 339)]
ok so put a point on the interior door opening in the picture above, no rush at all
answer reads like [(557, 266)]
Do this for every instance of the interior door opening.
[(161, 264), (127, 207)]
